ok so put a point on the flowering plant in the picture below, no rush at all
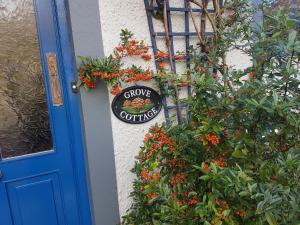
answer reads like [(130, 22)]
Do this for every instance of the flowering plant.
[(111, 70), (237, 160)]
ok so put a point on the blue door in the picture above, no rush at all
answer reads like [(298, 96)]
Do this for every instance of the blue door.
[(42, 175)]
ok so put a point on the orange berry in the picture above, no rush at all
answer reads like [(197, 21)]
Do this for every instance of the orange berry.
[(161, 65), (146, 57)]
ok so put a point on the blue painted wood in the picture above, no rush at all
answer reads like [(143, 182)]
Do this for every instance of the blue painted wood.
[(179, 34), (155, 51), (74, 115), (35, 199), (50, 188), (178, 9)]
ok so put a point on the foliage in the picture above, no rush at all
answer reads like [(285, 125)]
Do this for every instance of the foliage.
[(111, 70), (237, 161)]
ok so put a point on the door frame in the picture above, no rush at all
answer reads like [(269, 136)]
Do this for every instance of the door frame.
[(73, 108)]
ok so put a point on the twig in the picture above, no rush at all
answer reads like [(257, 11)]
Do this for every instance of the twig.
[(217, 7), (166, 27), (194, 23), (287, 80), (225, 3), (207, 14), (203, 19), (165, 22)]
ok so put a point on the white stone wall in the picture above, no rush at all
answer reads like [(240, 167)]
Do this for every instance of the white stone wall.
[(114, 16)]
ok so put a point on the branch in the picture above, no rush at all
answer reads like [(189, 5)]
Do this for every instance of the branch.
[(217, 7), (203, 19), (287, 80), (207, 14), (225, 3), (165, 22), (194, 22)]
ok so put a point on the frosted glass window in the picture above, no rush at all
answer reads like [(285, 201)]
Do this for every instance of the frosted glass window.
[(24, 117)]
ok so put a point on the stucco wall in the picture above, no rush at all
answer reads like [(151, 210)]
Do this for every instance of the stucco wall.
[(117, 15), (114, 16)]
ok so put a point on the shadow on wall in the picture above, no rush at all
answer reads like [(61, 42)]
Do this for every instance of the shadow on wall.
[(86, 31), (100, 152)]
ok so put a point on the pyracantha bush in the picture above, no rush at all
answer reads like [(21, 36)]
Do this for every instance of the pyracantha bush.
[(237, 160), (111, 69)]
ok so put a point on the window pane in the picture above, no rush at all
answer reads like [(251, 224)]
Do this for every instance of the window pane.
[(24, 117)]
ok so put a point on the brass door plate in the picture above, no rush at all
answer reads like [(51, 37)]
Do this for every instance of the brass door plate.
[(54, 79)]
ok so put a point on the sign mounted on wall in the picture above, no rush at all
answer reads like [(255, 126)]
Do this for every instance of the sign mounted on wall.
[(137, 104)]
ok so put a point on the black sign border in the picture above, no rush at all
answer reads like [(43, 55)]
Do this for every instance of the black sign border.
[(129, 88)]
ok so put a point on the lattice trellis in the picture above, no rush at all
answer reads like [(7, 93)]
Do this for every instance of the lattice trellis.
[(155, 7)]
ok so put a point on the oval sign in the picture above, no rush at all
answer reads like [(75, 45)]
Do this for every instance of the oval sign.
[(137, 104)]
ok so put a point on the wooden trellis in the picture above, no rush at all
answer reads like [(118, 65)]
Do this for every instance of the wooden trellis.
[(163, 6)]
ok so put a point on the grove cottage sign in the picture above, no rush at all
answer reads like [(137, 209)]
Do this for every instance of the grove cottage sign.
[(137, 104)]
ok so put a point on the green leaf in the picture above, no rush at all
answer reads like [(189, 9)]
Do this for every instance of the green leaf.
[(292, 36), (216, 128), (240, 153), (152, 200), (271, 219), (290, 23), (275, 35), (192, 193), (205, 177), (79, 83), (244, 193), (196, 167), (275, 98)]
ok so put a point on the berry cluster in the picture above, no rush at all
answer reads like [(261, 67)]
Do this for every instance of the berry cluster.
[(135, 74), (109, 69), (212, 138), (133, 48), (161, 57)]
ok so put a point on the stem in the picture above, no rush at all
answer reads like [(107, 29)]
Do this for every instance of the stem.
[(202, 42), (287, 80), (207, 14), (225, 3), (217, 8), (165, 22), (225, 72), (194, 23), (203, 18), (178, 109)]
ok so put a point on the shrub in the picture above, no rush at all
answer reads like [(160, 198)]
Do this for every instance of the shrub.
[(237, 160)]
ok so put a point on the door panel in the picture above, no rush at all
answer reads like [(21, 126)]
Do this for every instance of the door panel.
[(41, 195), (38, 184)]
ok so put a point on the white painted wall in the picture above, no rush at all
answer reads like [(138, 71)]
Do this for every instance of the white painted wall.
[(114, 16)]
